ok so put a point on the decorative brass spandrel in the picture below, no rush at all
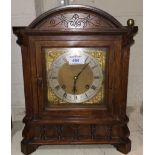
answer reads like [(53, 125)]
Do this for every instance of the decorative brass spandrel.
[(51, 54)]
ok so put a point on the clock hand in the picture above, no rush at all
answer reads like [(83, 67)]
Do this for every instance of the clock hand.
[(74, 86), (82, 70), (76, 77)]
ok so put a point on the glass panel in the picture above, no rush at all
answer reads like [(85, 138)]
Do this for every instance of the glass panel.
[(75, 75)]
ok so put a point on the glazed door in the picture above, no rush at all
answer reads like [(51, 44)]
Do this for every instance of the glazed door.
[(61, 95)]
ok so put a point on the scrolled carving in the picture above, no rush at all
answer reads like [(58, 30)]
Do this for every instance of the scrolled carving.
[(128, 38), (20, 37), (59, 133), (19, 41), (75, 21), (27, 119)]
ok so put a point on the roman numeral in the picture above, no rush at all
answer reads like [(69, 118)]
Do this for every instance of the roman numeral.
[(96, 77), (86, 95), (57, 87), (94, 66), (54, 77), (65, 60), (64, 95), (93, 87), (75, 97), (63, 86)]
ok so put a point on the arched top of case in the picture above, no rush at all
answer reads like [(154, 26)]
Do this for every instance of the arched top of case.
[(75, 18)]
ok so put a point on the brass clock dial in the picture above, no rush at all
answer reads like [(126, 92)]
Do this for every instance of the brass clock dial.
[(75, 77)]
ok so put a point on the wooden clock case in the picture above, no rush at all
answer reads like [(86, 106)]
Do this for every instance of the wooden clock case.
[(76, 26)]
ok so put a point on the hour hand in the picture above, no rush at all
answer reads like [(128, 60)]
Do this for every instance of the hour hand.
[(74, 90), (74, 85)]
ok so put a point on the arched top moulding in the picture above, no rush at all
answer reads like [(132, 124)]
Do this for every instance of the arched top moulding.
[(75, 18)]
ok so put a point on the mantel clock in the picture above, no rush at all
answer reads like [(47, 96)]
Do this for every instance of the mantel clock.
[(75, 66)]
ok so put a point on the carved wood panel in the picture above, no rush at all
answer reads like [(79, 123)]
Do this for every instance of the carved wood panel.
[(75, 20), (67, 18), (72, 132)]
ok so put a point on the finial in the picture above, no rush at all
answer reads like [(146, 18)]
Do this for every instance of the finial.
[(130, 22)]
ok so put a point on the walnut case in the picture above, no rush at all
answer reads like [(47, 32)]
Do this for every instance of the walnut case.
[(69, 27)]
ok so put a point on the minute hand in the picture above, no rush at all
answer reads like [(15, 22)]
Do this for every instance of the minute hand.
[(82, 70)]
